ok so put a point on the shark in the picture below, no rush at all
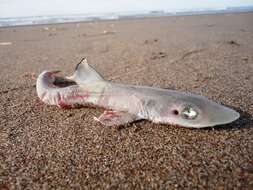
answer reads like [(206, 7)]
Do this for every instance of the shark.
[(125, 103)]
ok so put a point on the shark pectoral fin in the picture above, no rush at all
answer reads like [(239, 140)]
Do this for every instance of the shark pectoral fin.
[(110, 118), (84, 73)]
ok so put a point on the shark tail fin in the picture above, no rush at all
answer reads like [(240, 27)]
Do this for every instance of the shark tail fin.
[(84, 73)]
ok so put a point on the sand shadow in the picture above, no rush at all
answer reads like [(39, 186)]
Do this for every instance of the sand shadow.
[(152, 41), (52, 34), (232, 43), (158, 55)]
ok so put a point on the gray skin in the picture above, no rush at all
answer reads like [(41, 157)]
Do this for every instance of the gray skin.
[(130, 103), (167, 106)]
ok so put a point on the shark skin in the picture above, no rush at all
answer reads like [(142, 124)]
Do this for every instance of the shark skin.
[(129, 103)]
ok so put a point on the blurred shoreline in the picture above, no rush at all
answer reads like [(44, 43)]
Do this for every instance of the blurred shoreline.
[(75, 18)]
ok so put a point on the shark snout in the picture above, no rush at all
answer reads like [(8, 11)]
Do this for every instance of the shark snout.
[(219, 115)]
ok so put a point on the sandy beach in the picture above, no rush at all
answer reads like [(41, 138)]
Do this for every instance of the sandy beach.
[(44, 147)]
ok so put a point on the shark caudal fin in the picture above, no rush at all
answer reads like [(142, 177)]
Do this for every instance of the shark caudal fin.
[(84, 73)]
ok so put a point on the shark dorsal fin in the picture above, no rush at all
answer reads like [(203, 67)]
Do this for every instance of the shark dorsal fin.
[(84, 73)]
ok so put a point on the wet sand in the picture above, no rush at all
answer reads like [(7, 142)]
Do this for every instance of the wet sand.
[(46, 147)]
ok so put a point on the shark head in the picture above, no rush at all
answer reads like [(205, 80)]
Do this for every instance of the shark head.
[(193, 111)]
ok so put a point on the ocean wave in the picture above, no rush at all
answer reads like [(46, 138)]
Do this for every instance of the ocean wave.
[(36, 20)]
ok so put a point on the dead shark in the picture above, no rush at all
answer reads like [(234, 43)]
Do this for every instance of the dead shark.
[(129, 103)]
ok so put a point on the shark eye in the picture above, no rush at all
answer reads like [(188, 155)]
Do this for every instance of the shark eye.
[(175, 112), (189, 113)]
